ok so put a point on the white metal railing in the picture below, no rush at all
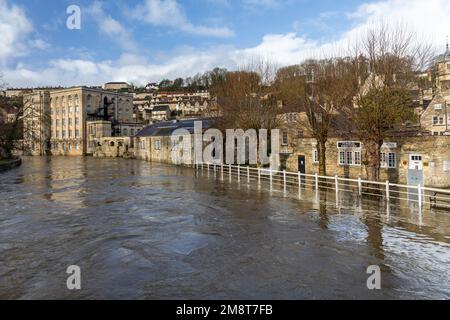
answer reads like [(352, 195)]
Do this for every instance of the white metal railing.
[(421, 195)]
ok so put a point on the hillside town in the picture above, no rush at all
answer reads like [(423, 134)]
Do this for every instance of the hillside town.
[(120, 120)]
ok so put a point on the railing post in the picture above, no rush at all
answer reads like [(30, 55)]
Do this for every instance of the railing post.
[(221, 171), (239, 173), (419, 193), (271, 183), (248, 174), (387, 190), (317, 181), (229, 172), (299, 184), (359, 186), (215, 170), (259, 177), (284, 181), (337, 189)]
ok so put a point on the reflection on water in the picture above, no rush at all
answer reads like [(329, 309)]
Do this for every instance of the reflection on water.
[(151, 231)]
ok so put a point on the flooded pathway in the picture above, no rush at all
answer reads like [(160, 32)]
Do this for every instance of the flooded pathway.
[(151, 231)]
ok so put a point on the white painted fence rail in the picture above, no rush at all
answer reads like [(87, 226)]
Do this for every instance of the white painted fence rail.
[(434, 197)]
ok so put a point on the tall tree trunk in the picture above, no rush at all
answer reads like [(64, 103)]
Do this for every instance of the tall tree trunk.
[(372, 160), (322, 149)]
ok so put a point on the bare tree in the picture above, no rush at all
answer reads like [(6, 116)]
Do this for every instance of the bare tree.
[(320, 89), (244, 98), (388, 62), (25, 128)]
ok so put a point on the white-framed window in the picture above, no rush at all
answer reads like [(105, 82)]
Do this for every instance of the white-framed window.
[(284, 137), (446, 166), (316, 156), (349, 153), (357, 155), (388, 160), (143, 144), (158, 145), (438, 120), (438, 106)]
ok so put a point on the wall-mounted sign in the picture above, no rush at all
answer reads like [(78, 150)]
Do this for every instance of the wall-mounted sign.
[(349, 144), (389, 145)]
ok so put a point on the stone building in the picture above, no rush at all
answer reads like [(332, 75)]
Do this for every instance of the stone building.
[(154, 143), (70, 111), (435, 118), (405, 159), (193, 107), (160, 113), (36, 122), (116, 86), (114, 147)]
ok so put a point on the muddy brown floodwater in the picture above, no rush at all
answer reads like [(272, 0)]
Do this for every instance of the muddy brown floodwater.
[(150, 231)]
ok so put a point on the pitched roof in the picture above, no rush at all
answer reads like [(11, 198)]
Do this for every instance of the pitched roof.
[(166, 128)]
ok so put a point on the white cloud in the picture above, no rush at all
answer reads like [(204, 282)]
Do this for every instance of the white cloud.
[(14, 28), (284, 49), (111, 27), (39, 44), (429, 18), (168, 13)]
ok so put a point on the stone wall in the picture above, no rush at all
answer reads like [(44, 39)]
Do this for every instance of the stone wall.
[(162, 149), (435, 152), (114, 147)]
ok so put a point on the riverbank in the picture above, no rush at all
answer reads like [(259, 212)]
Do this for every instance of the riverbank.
[(8, 164)]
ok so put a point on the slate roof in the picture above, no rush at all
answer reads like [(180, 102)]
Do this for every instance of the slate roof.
[(167, 127)]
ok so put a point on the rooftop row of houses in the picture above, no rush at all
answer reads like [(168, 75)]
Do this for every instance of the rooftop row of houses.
[(405, 159)]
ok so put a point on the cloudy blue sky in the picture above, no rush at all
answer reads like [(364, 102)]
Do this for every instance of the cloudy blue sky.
[(146, 40)]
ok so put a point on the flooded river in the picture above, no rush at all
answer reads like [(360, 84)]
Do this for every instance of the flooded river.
[(150, 231)]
